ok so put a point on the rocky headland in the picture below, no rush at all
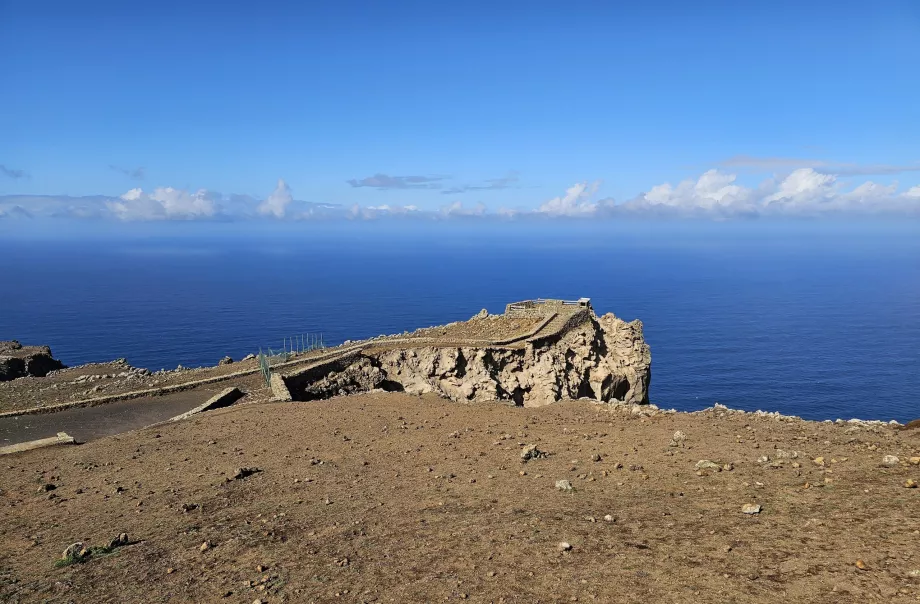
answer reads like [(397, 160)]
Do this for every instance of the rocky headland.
[(18, 361)]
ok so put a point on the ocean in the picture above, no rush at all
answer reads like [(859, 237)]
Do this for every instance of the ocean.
[(815, 319)]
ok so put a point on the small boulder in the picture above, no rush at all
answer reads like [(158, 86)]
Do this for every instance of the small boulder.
[(121, 539), (245, 473), (910, 483), (564, 546), (890, 461), (678, 439), (225, 361), (750, 508), (563, 485), (705, 464), (531, 452), (74, 551)]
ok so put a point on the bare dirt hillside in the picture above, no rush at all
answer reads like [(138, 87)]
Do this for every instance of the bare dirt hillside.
[(396, 498)]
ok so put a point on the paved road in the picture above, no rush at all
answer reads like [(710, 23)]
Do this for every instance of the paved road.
[(89, 423)]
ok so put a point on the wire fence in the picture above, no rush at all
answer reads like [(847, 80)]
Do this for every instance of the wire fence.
[(290, 346)]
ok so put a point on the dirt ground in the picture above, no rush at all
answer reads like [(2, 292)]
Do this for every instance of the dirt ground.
[(394, 498)]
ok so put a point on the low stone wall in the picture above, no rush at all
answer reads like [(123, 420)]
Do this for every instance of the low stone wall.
[(111, 398), (62, 438), (573, 321), (224, 398), (530, 333), (279, 388)]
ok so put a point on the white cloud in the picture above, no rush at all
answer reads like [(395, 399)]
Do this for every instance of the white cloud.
[(162, 204), (711, 190), (804, 192), (276, 204), (912, 193), (457, 209), (575, 202)]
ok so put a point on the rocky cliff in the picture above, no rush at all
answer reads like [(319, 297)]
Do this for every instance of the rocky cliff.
[(17, 360), (602, 358)]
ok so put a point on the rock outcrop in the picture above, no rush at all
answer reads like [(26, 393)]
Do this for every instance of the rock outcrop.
[(601, 358), (17, 361)]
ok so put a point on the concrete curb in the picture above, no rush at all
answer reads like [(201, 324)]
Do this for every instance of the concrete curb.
[(62, 438)]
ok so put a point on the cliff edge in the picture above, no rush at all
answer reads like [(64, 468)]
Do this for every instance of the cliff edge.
[(17, 361), (575, 355)]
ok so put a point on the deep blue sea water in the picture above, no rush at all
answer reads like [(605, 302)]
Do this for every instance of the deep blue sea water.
[(818, 320)]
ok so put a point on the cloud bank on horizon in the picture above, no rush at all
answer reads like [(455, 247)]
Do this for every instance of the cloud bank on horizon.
[(804, 192)]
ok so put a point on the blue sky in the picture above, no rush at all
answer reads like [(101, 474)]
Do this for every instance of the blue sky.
[(506, 106)]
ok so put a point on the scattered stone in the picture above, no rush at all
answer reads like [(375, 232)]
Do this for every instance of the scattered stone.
[(564, 546), (910, 483), (120, 540), (750, 508), (596, 457), (861, 565), (890, 461), (74, 551), (245, 473), (818, 461), (170, 570), (914, 573), (47, 487), (763, 459), (563, 485), (205, 546), (609, 518), (188, 507), (248, 357), (914, 461), (261, 568), (532, 452), (678, 439), (705, 464), (225, 361)]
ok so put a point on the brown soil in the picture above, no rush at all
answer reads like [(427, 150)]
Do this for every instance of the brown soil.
[(420, 499)]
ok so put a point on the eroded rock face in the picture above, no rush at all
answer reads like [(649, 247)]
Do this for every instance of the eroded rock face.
[(603, 358), (20, 361)]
